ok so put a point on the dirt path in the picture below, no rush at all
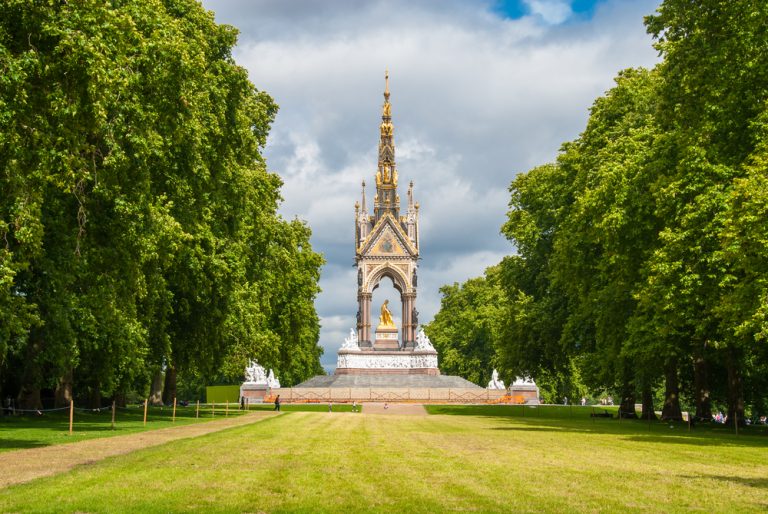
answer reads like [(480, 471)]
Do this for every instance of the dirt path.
[(403, 409), (21, 466)]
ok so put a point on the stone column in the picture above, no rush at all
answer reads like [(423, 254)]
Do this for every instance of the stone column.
[(409, 328), (364, 328)]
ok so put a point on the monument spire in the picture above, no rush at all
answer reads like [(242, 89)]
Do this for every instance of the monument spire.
[(364, 209), (386, 200)]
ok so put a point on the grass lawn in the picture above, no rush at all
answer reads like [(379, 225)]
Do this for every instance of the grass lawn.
[(489, 460), (18, 432), (53, 427)]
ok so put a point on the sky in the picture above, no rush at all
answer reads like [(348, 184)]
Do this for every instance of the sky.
[(480, 90)]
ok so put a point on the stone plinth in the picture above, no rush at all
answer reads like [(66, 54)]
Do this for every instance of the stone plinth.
[(386, 339), (253, 393), (391, 362)]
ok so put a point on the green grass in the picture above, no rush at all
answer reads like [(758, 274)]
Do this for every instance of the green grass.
[(307, 407), (53, 428), (487, 459), (18, 432)]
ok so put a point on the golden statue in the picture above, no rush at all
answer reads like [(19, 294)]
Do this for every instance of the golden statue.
[(385, 320), (386, 173)]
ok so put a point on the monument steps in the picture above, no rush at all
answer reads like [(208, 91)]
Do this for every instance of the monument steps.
[(389, 380)]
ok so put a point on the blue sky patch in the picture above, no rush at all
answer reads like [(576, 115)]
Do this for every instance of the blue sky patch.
[(514, 9)]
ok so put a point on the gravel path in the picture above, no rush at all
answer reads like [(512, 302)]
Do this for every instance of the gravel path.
[(21, 466)]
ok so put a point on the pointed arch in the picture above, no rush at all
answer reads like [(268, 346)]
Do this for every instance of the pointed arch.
[(399, 280)]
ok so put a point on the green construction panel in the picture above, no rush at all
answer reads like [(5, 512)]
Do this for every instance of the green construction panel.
[(221, 394)]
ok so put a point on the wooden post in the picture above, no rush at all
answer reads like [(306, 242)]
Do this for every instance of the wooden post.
[(145, 412), (71, 415), (226, 410), (173, 419), (113, 414), (213, 409), (197, 411)]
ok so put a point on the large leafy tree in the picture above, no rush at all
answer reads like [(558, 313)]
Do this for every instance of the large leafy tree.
[(713, 94), (138, 218), (466, 329), (641, 251)]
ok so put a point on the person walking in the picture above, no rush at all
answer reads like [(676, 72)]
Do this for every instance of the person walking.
[(277, 403)]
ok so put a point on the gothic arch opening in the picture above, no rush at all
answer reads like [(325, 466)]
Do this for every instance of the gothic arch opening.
[(386, 289)]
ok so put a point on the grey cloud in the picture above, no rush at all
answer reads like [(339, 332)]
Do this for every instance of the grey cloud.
[(476, 100)]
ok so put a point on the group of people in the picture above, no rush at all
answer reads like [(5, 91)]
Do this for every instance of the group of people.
[(603, 401)]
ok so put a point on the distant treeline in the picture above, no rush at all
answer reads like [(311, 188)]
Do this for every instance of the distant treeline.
[(642, 252), (139, 235)]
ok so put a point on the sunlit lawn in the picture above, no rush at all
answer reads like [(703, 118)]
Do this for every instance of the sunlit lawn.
[(53, 428), (18, 432), (485, 461)]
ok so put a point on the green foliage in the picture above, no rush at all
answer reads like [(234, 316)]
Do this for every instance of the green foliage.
[(642, 251), (138, 217), (466, 329)]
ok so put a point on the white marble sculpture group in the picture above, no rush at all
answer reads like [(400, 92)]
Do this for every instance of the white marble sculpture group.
[(495, 383), (423, 355), (257, 375)]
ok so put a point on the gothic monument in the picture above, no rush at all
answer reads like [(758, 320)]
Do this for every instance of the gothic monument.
[(387, 246)]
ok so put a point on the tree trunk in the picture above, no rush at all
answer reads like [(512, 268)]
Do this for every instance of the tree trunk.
[(648, 409), (120, 399), (31, 378), (156, 394), (735, 387), (63, 393), (627, 406), (169, 391), (671, 410), (701, 385), (29, 397), (94, 397)]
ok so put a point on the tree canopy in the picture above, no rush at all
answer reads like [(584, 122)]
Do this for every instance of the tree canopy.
[(641, 257), (139, 222)]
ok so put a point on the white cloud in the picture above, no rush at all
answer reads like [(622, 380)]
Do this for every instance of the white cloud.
[(477, 98), (551, 11)]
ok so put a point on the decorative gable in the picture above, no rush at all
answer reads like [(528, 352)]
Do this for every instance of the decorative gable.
[(387, 239)]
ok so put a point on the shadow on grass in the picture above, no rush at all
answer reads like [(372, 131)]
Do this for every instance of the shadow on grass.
[(21, 444), (760, 483), (575, 420)]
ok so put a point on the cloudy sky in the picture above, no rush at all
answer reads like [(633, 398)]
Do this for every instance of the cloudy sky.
[(481, 90)]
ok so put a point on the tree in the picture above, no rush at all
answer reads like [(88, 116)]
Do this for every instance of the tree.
[(713, 94), (138, 215), (466, 329)]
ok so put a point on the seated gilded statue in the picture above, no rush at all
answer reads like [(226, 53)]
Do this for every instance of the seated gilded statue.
[(385, 320)]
